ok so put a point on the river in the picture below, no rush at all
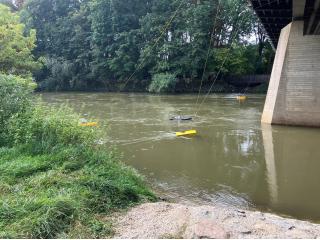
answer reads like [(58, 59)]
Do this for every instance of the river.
[(233, 160)]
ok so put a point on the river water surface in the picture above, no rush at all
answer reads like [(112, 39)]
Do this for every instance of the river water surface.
[(234, 159)]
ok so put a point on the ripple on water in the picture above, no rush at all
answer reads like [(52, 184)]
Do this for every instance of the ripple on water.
[(233, 160)]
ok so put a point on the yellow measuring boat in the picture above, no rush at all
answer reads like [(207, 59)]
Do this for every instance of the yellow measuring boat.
[(89, 124), (188, 133), (242, 97)]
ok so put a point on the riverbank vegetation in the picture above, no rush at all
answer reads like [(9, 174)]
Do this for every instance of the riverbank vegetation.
[(120, 45), (56, 180)]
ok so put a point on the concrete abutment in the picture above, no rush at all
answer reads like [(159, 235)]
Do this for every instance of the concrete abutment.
[(293, 96)]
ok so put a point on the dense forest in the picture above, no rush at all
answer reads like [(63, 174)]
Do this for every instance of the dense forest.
[(137, 45)]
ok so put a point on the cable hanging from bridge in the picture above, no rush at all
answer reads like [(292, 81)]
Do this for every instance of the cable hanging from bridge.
[(163, 31), (208, 51), (223, 62)]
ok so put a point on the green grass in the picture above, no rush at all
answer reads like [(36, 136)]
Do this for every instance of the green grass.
[(55, 180), (63, 194)]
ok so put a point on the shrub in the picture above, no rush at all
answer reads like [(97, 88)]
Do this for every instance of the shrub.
[(15, 100), (55, 181), (163, 82), (56, 74), (17, 44), (48, 128), (25, 121)]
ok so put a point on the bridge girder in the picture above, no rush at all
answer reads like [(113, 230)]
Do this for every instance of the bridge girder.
[(276, 14)]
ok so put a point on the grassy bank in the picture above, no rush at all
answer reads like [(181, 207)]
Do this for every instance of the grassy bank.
[(55, 180)]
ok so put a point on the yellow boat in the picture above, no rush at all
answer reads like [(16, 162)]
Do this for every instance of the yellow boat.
[(186, 133), (89, 124), (242, 97)]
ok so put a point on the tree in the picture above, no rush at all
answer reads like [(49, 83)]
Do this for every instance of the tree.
[(181, 50), (47, 16), (10, 4), (64, 40), (91, 44), (116, 36), (16, 45)]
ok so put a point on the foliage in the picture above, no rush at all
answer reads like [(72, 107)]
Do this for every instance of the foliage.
[(162, 82), (46, 128), (63, 40), (100, 43), (16, 45), (55, 180), (14, 101), (235, 61), (58, 73)]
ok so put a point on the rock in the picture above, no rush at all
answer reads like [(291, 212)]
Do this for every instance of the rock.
[(240, 211), (163, 199), (210, 230)]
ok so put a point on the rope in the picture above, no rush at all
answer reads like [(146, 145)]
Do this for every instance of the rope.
[(210, 89), (164, 30), (224, 61), (208, 53), (247, 87)]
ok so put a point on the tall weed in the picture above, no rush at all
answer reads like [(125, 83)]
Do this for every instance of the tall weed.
[(55, 181)]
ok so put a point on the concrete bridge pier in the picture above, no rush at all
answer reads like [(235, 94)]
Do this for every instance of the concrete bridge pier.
[(294, 90)]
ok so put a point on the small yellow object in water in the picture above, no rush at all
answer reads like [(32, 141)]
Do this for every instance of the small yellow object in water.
[(89, 124), (186, 133), (242, 97)]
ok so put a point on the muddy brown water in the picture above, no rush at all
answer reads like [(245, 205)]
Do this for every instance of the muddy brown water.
[(234, 159)]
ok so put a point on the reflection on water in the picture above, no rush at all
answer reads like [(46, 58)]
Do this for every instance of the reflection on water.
[(270, 162), (233, 160), (293, 160)]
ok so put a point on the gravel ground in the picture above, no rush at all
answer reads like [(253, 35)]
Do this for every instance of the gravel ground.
[(169, 220)]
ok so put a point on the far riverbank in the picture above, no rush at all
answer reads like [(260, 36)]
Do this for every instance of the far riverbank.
[(218, 88)]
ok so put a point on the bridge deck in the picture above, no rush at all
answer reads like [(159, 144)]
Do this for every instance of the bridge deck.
[(276, 14)]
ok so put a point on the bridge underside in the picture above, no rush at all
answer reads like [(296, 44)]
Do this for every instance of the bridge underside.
[(294, 90), (276, 14)]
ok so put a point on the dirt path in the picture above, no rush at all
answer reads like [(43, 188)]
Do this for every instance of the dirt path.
[(168, 220)]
